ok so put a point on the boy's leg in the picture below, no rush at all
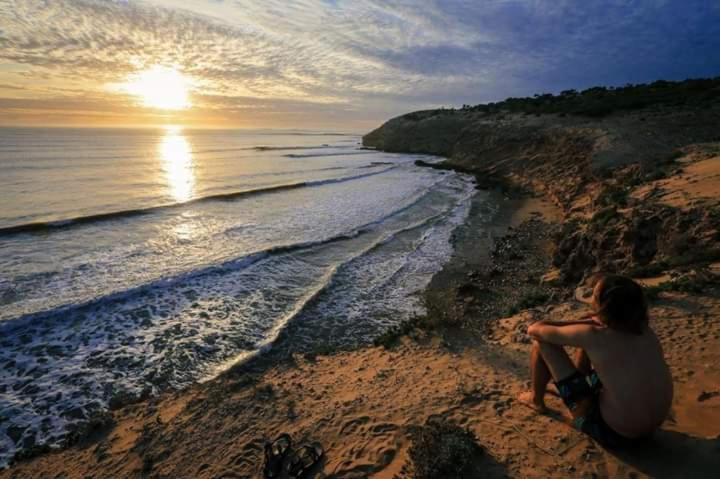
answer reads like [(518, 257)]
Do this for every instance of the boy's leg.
[(556, 359), (547, 361), (539, 375)]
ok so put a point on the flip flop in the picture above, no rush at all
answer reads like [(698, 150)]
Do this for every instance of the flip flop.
[(304, 459), (275, 453)]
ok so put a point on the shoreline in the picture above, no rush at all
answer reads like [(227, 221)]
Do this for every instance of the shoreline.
[(188, 347), (466, 258), (461, 368)]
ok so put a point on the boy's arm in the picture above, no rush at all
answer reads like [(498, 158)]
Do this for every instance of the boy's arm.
[(583, 320), (578, 334)]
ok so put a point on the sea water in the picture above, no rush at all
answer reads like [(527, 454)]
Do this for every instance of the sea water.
[(133, 261)]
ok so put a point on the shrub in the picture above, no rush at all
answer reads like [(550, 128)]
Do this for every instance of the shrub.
[(601, 218), (391, 337), (602, 101), (648, 270), (690, 283), (530, 299), (693, 256), (322, 349), (613, 196), (442, 449)]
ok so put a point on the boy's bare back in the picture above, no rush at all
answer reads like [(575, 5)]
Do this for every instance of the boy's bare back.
[(637, 385)]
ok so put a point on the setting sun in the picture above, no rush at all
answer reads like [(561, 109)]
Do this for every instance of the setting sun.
[(160, 87)]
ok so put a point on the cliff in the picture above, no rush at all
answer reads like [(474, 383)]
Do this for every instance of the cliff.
[(605, 169)]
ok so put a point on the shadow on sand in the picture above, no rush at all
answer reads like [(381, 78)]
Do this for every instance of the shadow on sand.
[(673, 454)]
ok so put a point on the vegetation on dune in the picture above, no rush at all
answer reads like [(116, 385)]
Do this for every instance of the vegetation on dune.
[(696, 282), (600, 101), (530, 299), (443, 449)]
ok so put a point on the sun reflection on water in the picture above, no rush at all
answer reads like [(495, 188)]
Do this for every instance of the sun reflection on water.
[(177, 162)]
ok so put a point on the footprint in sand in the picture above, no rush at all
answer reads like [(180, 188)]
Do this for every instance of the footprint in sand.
[(374, 447), (247, 455), (383, 428), (351, 426)]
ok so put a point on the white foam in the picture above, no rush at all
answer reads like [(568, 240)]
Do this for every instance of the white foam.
[(192, 319)]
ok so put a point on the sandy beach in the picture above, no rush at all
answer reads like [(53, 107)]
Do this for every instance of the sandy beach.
[(461, 366), (362, 405), (359, 239)]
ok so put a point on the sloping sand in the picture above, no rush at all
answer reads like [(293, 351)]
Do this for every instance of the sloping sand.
[(359, 405), (696, 184)]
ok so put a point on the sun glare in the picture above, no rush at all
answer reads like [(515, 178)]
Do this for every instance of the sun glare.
[(160, 87), (177, 162)]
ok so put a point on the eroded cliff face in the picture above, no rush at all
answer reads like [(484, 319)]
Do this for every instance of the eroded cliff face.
[(591, 168), (550, 153)]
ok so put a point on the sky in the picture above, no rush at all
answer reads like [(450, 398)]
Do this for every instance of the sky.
[(328, 64)]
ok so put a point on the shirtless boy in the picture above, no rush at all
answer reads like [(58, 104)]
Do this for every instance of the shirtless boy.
[(618, 388)]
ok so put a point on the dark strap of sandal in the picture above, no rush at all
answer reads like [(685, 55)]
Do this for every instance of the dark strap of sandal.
[(298, 467), (275, 453)]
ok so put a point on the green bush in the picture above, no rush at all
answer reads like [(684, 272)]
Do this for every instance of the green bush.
[(603, 101), (601, 218), (648, 270), (695, 284), (322, 349), (391, 337), (614, 195), (443, 450), (534, 297)]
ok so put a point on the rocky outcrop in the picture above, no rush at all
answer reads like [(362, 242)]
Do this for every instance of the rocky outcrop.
[(547, 153), (588, 166)]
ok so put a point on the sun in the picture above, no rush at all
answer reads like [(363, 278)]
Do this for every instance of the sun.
[(160, 87)]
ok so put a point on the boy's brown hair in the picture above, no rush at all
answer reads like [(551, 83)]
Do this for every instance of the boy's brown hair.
[(620, 303)]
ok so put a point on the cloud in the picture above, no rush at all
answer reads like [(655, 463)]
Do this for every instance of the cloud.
[(366, 58)]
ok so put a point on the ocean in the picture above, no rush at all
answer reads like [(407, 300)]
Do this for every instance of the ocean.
[(136, 261)]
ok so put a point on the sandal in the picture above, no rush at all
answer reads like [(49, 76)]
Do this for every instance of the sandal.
[(275, 453), (304, 459)]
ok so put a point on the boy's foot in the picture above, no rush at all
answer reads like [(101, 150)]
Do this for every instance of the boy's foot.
[(528, 399)]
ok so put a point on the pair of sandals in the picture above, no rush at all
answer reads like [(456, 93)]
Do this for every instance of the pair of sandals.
[(300, 462)]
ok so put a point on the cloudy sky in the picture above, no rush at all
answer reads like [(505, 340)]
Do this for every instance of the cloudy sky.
[(342, 64)]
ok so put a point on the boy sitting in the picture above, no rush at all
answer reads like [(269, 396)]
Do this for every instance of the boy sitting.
[(619, 387)]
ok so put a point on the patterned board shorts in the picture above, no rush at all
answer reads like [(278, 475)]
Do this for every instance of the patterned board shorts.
[(579, 388)]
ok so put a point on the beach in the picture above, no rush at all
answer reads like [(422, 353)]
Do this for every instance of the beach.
[(359, 239), (201, 250), (361, 405), (466, 360)]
